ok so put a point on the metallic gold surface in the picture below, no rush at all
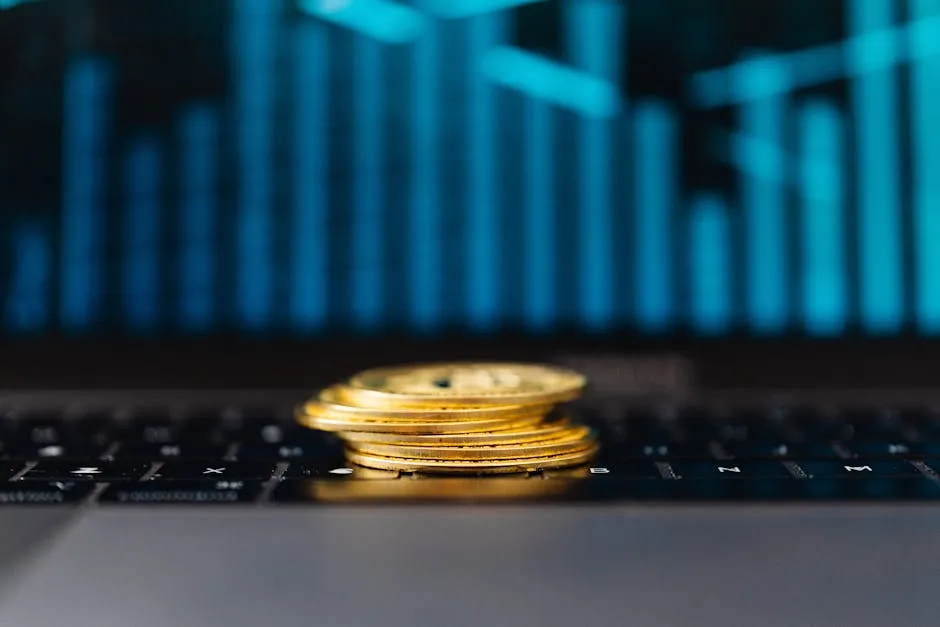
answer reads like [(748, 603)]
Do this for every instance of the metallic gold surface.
[(328, 422), (538, 433), (577, 439), (499, 466), (462, 385), (436, 489), (330, 402)]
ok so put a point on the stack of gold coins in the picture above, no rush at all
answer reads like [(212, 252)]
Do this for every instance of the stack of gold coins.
[(463, 418)]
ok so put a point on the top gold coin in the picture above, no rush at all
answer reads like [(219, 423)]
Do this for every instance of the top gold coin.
[(462, 385)]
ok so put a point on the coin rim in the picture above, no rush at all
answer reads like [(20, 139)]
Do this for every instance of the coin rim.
[(359, 395), (482, 467), (474, 453), (331, 405), (340, 424), (543, 432)]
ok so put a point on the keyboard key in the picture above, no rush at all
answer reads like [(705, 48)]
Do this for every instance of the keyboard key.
[(175, 470), (785, 450), (293, 443), (182, 492), (88, 470), (658, 450), (609, 467), (170, 450), (728, 469), (885, 449), (43, 493), (858, 468), (8, 469), (334, 469)]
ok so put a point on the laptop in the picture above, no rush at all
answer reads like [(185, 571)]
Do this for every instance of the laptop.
[(723, 214)]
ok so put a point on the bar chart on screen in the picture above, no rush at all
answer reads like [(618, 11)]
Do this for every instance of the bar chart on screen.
[(524, 188)]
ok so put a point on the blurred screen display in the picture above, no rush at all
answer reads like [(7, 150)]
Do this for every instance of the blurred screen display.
[(307, 167)]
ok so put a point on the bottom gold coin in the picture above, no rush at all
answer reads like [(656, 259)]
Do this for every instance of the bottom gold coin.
[(491, 466), (573, 440), (446, 489)]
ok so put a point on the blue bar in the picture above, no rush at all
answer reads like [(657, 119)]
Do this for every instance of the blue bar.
[(822, 190), (199, 130), (656, 179), (817, 65), (709, 265), (368, 250), (874, 102), (26, 308), (310, 241), (925, 125), (388, 22), (453, 9), (593, 30), (483, 207), (254, 42), (86, 112), (763, 119), (426, 235), (540, 217), (141, 232), (551, 81)]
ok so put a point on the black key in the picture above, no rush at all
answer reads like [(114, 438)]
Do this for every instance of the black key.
[(333, 468), (8, 469), (87, 470), (885, 449), (295, 444), (728, 469), (785, 450), (659, 450), (857, 468), (610, 467), (182, 492), (43, 493), (215, 469), (171, 450), (51, 436)]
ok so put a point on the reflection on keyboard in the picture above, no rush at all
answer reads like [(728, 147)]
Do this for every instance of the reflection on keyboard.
[(246, 456)]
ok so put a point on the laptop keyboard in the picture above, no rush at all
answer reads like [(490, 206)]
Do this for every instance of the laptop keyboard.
[(250, 456)]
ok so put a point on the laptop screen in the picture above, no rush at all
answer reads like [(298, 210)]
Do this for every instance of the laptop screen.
[(299, 168)]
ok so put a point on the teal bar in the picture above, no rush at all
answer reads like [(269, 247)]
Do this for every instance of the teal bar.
[(141, 265), (26, 306), (762, 119), (594, 33), (310, 241), (254, 44), (85, 134), (656, 179), (540, 217), (426, 250), (368, 187), (484, 235), (198, 222), (874, 103), (925, 129), (822, 195), (709, 265)]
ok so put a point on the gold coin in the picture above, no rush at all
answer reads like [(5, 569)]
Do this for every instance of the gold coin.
[(437, 489), (493, 466), (328, 422), (577, 439), (462, 385), (329, 402), (538, 433)]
